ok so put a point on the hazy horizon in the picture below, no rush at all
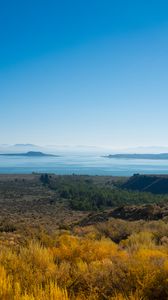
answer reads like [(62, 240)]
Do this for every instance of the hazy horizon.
[(5, 148)]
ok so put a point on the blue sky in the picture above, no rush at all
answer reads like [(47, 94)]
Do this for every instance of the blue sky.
[(84, 72)]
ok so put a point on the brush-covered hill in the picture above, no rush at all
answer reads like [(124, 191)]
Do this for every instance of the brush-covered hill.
[(156, 184)]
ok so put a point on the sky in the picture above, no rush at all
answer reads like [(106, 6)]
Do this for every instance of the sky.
[(84, 72)]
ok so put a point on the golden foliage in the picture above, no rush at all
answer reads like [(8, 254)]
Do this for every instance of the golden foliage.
[(84, 267)]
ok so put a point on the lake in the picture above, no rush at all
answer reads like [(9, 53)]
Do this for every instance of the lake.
[(90, 164)]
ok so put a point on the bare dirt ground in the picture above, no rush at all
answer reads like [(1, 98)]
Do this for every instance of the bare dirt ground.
[(25, 200)]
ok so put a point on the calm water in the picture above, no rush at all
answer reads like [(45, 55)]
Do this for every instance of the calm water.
[(82, 164)]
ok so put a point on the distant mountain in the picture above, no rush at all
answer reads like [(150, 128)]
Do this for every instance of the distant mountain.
[(29, 154), (139, 156), (25, 145), (22, 148), (143, 149)]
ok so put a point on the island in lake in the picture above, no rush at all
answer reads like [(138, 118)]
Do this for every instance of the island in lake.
[(29, 154), (139, 156)]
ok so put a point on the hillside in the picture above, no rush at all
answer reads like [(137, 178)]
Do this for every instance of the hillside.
[(52, 201), (66, 238), (156, 184), (81, 237)]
